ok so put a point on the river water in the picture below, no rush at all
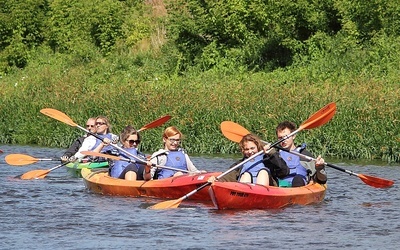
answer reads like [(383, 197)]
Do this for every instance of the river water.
[(58, 213)]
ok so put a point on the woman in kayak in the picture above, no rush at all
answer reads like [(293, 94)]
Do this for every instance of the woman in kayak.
[(172, 155), (130, 139), (301, 171), (91, 143), (263, 169)]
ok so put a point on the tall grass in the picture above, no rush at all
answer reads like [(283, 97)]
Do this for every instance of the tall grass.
[(135, 90)]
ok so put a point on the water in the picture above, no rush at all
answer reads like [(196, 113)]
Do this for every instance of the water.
[(58, 213)]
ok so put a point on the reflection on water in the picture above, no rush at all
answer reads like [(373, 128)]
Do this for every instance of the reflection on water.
[(58, 213)]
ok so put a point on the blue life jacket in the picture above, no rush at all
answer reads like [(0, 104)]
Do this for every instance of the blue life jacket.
[(253, 167), (295, 167), (175, 159), (106, 148), (119, 166)]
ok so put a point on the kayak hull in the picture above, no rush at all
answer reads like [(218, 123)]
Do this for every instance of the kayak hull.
[(236, 195), (169, 188), (74, 168)]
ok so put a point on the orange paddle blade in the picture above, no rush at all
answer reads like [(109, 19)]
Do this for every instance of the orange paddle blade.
[(156, 123), (167, 204), (375, 181), (35, 174), (91, 153), (320, 117), (20, 159), (233, 131), (58, 115)]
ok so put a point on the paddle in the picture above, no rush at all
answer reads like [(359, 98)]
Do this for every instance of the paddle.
[(156, 123), (60, 116), (118, 158), (21, 159), (233, 131), (319, 118), (40, 173)]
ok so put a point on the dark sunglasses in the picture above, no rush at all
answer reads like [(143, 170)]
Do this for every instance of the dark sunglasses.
[(101, 123), (134, 141), (90, 126)]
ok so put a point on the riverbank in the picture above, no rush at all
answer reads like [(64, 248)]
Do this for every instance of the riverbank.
[(366, 125)]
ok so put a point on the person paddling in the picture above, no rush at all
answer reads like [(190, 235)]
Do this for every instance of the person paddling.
[(130, 139), (172, 155), (103, 129), (263, 170), (301, 171), (91, 126)]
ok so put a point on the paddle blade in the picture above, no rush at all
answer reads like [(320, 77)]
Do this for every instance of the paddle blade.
[(58, 115), (167, 204), (19, 159), (91, 153), (35, 174), (375, 181), (156, 123), (320, 117), (233, 131)]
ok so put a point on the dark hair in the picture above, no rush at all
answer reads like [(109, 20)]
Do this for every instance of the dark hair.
[(128, 131), (286, 124)]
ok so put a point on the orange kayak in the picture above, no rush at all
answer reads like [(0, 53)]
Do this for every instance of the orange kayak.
[(236, 195), (169, 188)]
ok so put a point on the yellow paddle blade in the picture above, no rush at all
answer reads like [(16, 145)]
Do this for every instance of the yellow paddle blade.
[(156, 123), (19, 159), (167, 204), (233, 131), (35, 174), (58, 115)]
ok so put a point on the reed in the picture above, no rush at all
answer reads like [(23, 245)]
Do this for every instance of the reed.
[(366, 125)]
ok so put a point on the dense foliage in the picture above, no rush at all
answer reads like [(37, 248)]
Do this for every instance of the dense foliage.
[(203, 61)]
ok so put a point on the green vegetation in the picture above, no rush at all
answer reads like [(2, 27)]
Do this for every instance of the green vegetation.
[(253, 62)]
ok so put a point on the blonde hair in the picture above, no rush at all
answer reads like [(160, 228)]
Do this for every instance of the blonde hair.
[(105, 119)]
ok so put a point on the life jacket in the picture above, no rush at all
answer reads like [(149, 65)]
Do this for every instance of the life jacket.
[(295, 167), (106, 148), (175, 159), (118, 166), (253, 167)]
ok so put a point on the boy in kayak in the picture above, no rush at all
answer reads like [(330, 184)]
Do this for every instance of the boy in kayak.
[(301, 171)]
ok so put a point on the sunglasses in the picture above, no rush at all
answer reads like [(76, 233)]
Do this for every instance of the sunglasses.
[(100, 123), (90, 126), (133, 141)]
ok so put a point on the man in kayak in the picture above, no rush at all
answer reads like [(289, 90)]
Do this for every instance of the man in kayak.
[(301, 171), (263, 169), (91, 126)]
